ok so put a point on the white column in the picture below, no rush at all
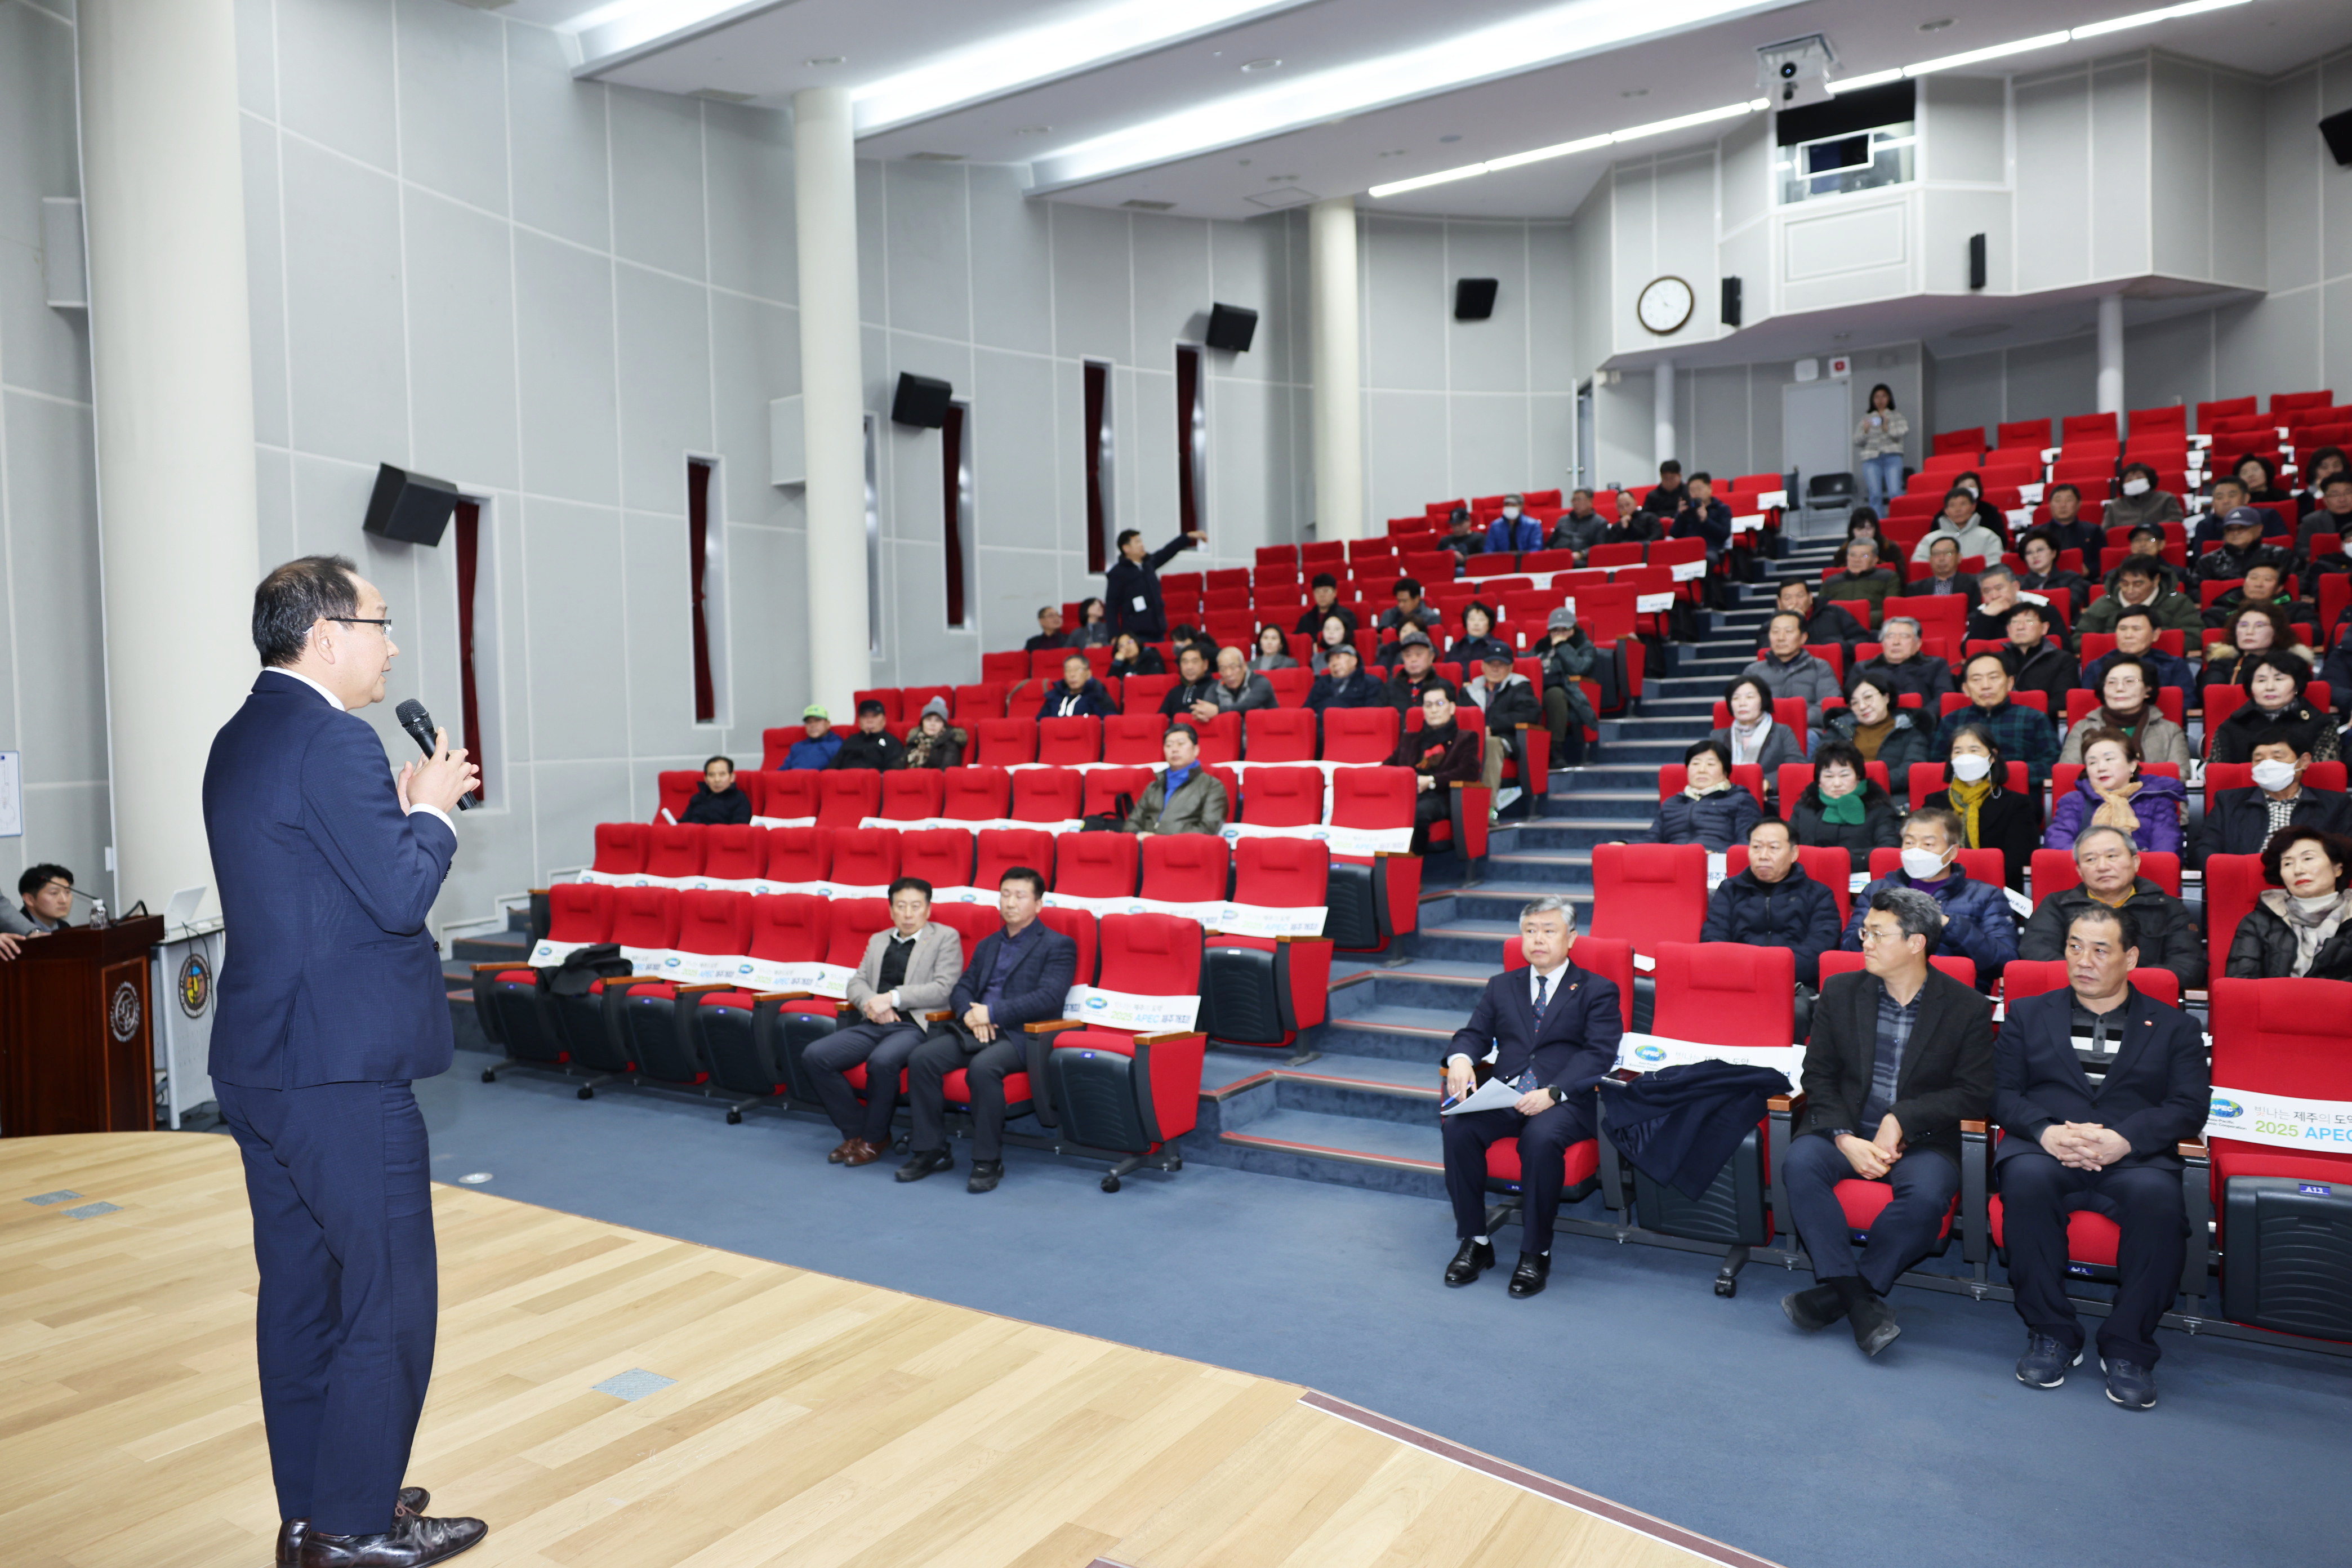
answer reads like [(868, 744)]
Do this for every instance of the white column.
[(2111, 353), (172, 360), (1339, 370), (832, 396), (1661, 411)]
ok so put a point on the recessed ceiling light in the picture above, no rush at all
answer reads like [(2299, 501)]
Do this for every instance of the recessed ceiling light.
[(1393, 153), (1456, 137), (1031, 130), (1244, 163), (1937, 26), (1635, 93), (1265, 65), (826, 61)]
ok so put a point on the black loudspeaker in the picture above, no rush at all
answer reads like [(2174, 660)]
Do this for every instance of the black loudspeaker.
[(411, 507), (1473, 298), (920, 401), (1976, 262), (1731, 301), (2337, 130), (1230, 327)]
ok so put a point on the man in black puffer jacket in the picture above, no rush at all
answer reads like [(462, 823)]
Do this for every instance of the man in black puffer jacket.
[(1774, 904)]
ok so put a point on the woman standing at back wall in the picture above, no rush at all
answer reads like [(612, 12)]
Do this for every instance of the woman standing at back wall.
[(1880, 438)]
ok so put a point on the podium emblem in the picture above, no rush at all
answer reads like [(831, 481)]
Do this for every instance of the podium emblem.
[(123, 1014), (195, 986)]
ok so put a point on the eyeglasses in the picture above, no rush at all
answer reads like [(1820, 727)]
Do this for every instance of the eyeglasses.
[(362, 621), (1872, 935)]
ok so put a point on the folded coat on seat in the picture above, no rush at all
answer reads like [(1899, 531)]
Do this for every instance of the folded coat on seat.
[(1679, 1124)]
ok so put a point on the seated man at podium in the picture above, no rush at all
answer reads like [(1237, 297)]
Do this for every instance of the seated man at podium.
[(46, 894), (1545, 1028)]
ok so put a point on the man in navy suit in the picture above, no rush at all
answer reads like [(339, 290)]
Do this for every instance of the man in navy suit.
[(1017, 975), (331, 1003), (1544, 1028), (2098, 1084)]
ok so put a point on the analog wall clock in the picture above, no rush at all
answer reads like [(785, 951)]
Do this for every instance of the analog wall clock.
[(1664, 305)]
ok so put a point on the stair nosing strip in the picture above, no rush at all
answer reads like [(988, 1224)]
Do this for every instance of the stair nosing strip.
[(1346, 1156)]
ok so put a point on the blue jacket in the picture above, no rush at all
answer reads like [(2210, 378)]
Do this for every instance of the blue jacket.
[(327, 884), (1578, 1040), (811, 754), (1034, 992), (2156, 1092), (1795, 912), (1503, 534), (1093, 701), (1978, 924), (1719, 821)]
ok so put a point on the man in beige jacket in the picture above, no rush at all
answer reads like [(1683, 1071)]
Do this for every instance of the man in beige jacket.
[(907, 970)]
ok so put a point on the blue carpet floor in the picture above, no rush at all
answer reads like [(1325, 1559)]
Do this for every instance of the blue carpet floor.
[(1628, 1377)]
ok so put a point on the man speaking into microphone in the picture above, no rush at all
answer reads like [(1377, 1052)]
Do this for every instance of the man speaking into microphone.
[(330, 1002)]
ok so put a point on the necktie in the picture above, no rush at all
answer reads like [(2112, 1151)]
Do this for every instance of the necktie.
[(1542, 980)]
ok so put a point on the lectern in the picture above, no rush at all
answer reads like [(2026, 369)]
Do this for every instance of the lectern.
[(77, 1046)]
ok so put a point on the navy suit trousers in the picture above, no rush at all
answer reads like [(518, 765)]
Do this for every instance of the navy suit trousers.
[(1905, 1230), (2037, 1192), (884, 1049), (1544, 1143), (342, 1231)]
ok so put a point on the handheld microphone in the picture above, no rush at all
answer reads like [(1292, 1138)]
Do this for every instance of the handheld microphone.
[(419, 725)]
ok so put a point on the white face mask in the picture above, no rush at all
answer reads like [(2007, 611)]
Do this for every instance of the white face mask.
[(2271, 775), (2135, 487), (1969, 768), (1922, 864), (1511, 513)]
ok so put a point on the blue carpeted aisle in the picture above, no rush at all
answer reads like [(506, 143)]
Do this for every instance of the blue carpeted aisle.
[(1628, 1377)]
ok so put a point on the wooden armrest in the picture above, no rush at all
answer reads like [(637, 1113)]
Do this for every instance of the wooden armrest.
[(1162, 1039), (1053, 1026), (2192, 1149), (1788, 1102), (1978, 1127), (941, 1017), (509, 964), (535, 892), (700, 987), (782, 996)]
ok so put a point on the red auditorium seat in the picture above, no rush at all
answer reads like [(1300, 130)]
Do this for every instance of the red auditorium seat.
[(1982, 865), (912, 794), (939, 856), (971, 704), (648, 1014), (1947, 442), (792, 795), (738, 1029), (847, 796), (1220, 738), (977, 794), (1014, 664), (733, 853), (674, 792), (799, 855), (1095, 865), (1130, 1092), (864, 856), (802, 1017), (2232, 885), (620, 849), (513, 1000), (1374, 898), (1825, 863), (1359, 734), (2288, 401), (972, 923), (1000, 849), (2030, 433), (1186, 868), (1106, 785), (2241, 776), (1004, 743), (1649, 893), (2286, 1247), (1135, 738), (1279, 734), (645, 919), (1262, 989), (673, 851), (1066, 742), (1674, 777), (1283, 797), (1048, 794)]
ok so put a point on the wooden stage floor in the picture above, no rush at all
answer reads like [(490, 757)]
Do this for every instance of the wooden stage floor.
[(812, 1420)]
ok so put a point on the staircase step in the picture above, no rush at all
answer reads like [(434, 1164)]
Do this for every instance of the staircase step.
[(493, 946)]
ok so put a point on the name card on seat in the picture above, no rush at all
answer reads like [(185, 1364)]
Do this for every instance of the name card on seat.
[(1648, 1053), (1129, 1012), (2280, 1121)]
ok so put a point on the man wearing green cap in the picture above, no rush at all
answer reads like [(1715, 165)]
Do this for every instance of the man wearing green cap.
[(821, 746)]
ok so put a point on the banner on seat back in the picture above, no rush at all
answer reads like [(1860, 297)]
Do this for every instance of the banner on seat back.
[(1688, 571), (1132, 1013), (766, 974), (1753, 524), (1648, 1053), (1203, 911), (2281, 1121), (1650, 603), (549, 954), (634, 879), (658, 962), (967, 824), (821, 890), (1342, 840), (1259, 920), (783, 822)]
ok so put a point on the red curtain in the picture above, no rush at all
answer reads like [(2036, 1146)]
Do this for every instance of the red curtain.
[(951, 475), (1188, 403), (698, 545), (469, 555), (1098, 389)]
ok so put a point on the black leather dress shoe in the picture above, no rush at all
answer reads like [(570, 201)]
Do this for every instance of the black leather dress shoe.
[(985, 1174), (412, 1541), (1874, 1327), (1474, 1258), (412, 1499), (1813, 1309), (925, 1162), (1527, 1278)]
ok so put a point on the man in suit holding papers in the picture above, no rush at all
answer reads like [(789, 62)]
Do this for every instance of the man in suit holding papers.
[(1544, 1027)]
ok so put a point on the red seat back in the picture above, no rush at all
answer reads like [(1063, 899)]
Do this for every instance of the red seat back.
[(1827, 863), (676, 787), (912, 794), (673, 850), (620, 848), (1279, 735), (1012, 665), (714, 922), (1105, 785), (849, 796), (1674, 777), (791, 794), (1002, 848), (734, 854), (1726, 992), (1095, 865), (1048, 794), (971, 704), (854, 921), (1648, 893), (1926, 778), (580, 912), (2282, 1036), (791, 928), (1064, 742), (977, 794), (864, 856), (972, 923), (1135, 737), (1281, 873), (1186, 868), (2023, 977), (1078, 925), (1003, 742), (2241, 776), (645, 917), (939, 856), (2233, 883), (1373, 797), (1839, 962), (1283, 797), (1359, 734), (2032, 433), (1150, 954)]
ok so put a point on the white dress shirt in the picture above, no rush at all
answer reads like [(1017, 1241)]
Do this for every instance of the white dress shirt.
[(1551, 994), (337, 703)]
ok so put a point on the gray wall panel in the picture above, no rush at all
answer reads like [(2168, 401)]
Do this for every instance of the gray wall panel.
[(1489, 355), (571, 434), (664, 377), (335, 75), (2119, 232), (555, 126), (748, 159), (1172, 286), (345, 331), (264, 288), (453, 101), (1407, 300), (656, 212), (2054, 172), (1012, 264), (929, 258), (461, 330)]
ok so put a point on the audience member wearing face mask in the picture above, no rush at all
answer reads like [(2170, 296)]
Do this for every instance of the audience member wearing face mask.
[(1991, 815), (2243, 821), (2142, 500), (1978, 924)]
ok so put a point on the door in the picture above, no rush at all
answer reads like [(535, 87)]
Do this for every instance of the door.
[(1815, 426)]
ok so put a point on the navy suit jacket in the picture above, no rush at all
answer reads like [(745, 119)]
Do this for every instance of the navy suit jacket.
[(1034, 992), (2156, 1092), (1581, 1026), (330, 977)]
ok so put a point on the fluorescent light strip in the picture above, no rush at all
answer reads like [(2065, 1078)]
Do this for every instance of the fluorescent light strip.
[(1570, 31), (1011, 62), (2046, 40), (1587, 144), (629, 29)]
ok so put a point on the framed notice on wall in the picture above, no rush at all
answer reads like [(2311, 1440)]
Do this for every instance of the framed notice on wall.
[(12, 795)]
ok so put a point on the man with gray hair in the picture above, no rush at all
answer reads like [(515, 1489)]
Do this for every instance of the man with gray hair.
[(2169, 933), (1901, 1054), (1540, 1030), (1903, 664)]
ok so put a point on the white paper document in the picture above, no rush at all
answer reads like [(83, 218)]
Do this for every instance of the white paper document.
[(1495, 1094)]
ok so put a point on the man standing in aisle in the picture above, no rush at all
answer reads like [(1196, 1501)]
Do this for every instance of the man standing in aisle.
[(331, 1004), (1131, 586)]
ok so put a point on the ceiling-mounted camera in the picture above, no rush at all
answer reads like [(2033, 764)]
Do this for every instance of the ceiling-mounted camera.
[(1797, 71)]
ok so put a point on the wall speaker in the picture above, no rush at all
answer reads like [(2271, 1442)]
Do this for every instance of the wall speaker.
[(1731, 301), (1473, 298), (1231, 327), (411, 507), (2337, 130), (1976, 262), (921, 401)]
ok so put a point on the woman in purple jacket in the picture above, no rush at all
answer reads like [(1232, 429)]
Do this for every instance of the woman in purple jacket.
[(2112, 793)]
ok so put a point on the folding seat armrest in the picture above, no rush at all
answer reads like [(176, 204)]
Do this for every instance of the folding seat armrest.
[(1053, 1026), (509, 964), (1978, 1128), (2192, 1149), (1157, 1039), (941, 1017), (700, 987), (1976, 1195), (784, 995)]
